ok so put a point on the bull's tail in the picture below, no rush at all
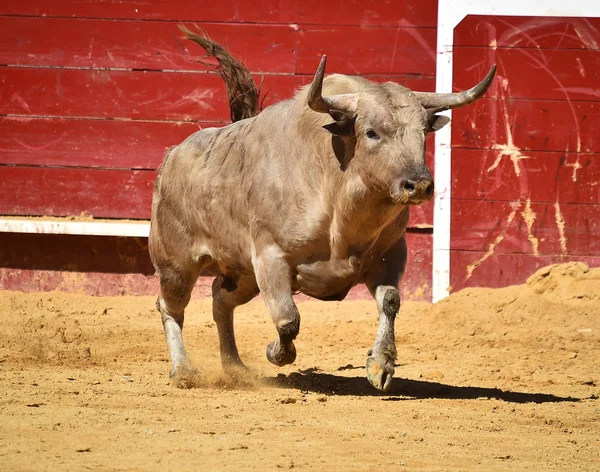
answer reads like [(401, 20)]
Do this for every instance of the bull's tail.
[(241, 89)]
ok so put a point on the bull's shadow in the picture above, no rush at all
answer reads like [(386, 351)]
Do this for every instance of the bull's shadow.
[(312, 380)]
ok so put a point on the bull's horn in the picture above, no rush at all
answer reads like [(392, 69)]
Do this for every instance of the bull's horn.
[(345, 102), (316, 101), (447, 101)]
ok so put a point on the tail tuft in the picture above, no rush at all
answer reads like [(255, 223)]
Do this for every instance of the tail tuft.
[(241, 89)]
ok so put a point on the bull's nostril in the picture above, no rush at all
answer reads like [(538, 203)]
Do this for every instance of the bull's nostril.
[(409, 185), (429, 189)]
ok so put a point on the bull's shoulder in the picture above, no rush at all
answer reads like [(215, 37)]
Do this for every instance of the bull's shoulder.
[(201, 145), (199, 140)]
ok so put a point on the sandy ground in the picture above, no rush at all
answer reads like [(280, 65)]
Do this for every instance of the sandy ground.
[(486, 380)]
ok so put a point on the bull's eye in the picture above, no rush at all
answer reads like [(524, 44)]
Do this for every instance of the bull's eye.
[(372, 134)]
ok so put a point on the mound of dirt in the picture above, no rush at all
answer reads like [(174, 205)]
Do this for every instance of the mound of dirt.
[(569, 284), (487, 379)]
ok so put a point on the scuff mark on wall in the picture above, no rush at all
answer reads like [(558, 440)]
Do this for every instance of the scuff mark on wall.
[(575, 165), (393, 59), (529, 216), (490, 251), (509, 149), (21, 101), (580, 67), (586, 32), (560, 224), (418, 37), (200, 97), (41, 147)]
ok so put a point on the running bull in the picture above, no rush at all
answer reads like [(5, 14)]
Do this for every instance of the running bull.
[(311, 195)]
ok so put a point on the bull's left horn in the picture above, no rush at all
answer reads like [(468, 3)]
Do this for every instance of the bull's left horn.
[(316, 101), (447, 101), (345, 103)]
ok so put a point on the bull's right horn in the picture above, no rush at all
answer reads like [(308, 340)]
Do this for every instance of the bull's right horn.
[(345, 102)]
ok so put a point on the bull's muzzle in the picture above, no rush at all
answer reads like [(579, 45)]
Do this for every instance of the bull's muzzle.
[(413, 192)]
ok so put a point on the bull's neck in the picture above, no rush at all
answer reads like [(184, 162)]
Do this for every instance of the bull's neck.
[(359, 214), (357, 211)]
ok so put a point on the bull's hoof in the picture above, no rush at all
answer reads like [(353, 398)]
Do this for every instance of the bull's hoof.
[(231, 360), (238, 372), (236, 376), (185, 375), (235, 365), (380, 372), (279, 355)]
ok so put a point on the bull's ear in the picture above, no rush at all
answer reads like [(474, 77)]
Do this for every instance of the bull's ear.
[(437, 122), (344, 124)]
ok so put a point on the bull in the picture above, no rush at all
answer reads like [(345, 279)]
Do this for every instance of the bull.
[(311, 195)]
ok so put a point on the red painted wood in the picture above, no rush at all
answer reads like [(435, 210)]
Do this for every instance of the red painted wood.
[(538, 125), (368, 50), (108, 266), (257, 11), (540, 202), (366, 12), (102, 254), (138, 95), (73, 191), (528, 32), (540, 176), (421, 215), (526, 73), (416, 284), (90, 143), (502, 270), (102, 284), (154, 45), (479, 225)]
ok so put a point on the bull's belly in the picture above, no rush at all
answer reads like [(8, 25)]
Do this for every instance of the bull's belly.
[(327, 280), (326, 293)]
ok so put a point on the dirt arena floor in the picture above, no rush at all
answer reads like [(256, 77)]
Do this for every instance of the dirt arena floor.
[(486, 380)]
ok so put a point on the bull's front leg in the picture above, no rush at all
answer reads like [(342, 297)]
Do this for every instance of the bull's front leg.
[(273, 275), (382, 356), (383, 286)]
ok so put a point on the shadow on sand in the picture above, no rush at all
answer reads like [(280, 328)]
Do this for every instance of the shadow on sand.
[(311, 380)]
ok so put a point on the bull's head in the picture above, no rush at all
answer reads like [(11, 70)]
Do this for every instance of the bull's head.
[(387, 125)]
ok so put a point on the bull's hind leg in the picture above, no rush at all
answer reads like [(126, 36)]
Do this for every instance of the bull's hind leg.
[(176, 289), (382, 283), (227, 295)]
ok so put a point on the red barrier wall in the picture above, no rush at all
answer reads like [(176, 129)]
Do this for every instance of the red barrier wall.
[(93, 92), (526, 159)]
